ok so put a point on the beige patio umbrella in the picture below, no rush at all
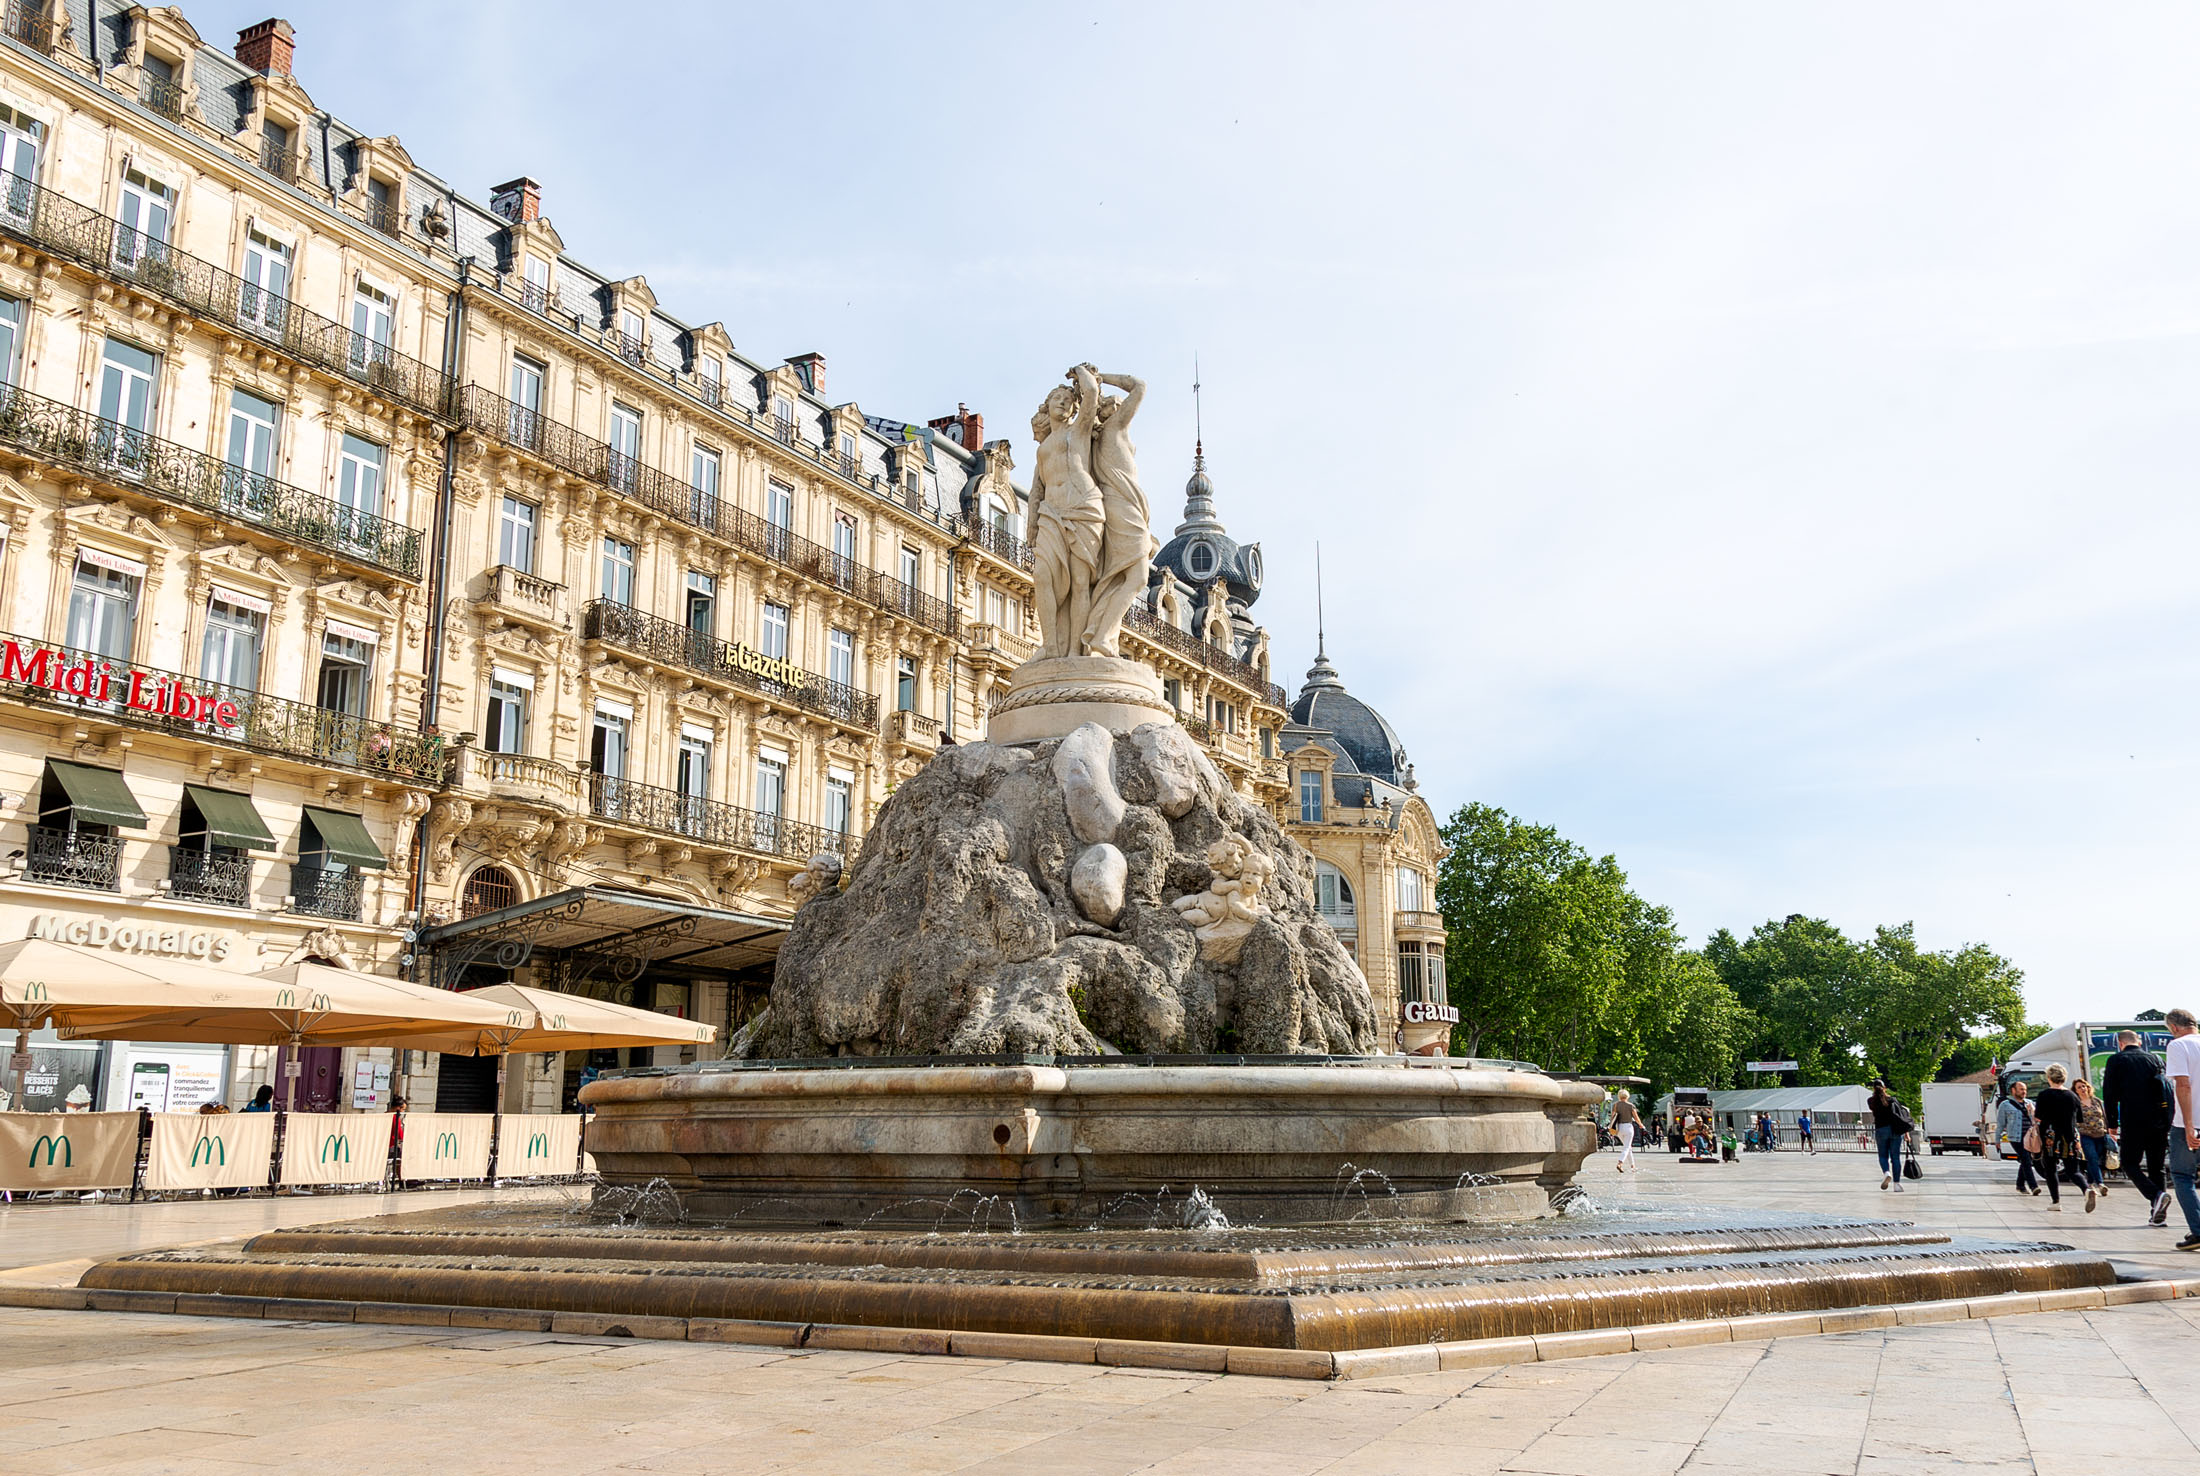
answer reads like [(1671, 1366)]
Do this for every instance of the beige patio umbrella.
[(545, 1020), (304, 1004), (43, 982)]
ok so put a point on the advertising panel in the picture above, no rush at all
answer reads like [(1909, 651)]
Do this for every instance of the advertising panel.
[(336, 1147), (445, 1145), (228, 1150), (540, 1143), (68, 1150)]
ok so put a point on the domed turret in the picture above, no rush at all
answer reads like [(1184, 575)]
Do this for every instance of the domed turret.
[(1202, 551), (1362, 732)]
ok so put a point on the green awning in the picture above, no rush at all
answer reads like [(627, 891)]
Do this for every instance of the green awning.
[(98, 796), (345, 838), (230, 819)]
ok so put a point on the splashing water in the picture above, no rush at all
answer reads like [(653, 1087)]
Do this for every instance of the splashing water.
[(1353, 1185), (1200, 1212), (1573, 1200), (625, 1205)]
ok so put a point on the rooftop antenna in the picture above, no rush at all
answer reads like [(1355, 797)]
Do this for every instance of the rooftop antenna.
[(1199, 434), (1321, 635)]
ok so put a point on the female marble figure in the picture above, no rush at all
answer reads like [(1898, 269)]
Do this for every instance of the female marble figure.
[(1067, 513), (1126, 546)]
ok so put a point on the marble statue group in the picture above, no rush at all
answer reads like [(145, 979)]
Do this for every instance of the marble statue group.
[(1091, 547)]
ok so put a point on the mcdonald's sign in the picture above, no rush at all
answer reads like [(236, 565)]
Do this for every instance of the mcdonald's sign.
[(336, 1148), (538, 1146), (286, 999), (52, 1143), (216, 1154), (446, 1146), (35, 992)]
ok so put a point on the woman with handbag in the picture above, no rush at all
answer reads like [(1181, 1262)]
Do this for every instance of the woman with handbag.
[(2093, 1136), (2013, 1120), (1891, 1123), (2056, 1120)]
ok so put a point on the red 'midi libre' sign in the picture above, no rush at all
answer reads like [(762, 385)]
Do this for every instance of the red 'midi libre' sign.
[(94, 679)]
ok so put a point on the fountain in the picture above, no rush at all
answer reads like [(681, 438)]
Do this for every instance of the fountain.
[(1074, 971)]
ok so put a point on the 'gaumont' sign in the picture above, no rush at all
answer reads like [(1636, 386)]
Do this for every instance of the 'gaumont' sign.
[(1428, 1012), (131, 938), (98, 680)]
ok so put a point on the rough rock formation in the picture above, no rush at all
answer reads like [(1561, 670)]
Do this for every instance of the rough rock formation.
[(1083, 895)]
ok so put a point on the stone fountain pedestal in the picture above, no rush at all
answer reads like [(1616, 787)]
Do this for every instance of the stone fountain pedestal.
[(890, 1145)]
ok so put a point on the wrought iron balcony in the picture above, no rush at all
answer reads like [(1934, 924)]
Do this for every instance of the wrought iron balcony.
[(1199, 727), (1000, 543), (279, 160), (673, 645), (40, 674), (162, 95), (220, 877), (132, 461), (631, 349), (27, 23), (56, 224), (535, 296), (707, 822), (1152, 628), (318, 891), (73, 858), (386, 216)]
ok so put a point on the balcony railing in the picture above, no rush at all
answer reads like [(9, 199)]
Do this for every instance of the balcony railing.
[(26, 22), (133, 461), (162, 95), (1000, 543), (112, 690), (1152, 627), (279, 160), (528, 596), (673, 645), (317, 891), (707, 822), (1199, 727), (632, 349), (57, 224), (386, 216), (73, 858), (913, 728), (220, 877)]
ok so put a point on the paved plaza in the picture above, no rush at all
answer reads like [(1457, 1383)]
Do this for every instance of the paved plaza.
[(2064, 1392)]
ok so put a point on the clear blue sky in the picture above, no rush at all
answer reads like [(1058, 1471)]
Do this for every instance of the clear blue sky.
[(1758, 441)]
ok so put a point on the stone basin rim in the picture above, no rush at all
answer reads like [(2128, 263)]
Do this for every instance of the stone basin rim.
[(1378, 1079)]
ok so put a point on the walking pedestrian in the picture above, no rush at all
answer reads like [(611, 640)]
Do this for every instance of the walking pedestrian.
[(2132, 1090), (2013, 1120), (2057, 1111), (2184, 1128), (2092, 1135), (1624, 1122), (1890, 1125), (1802, 1131)]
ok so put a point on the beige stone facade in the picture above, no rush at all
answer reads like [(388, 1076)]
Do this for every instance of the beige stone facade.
[(335, 500)]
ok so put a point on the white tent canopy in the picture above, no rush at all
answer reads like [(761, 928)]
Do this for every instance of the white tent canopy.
[(1784, 1102)]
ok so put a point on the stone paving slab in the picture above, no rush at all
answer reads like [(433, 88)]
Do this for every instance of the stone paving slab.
[(2006, 1389)]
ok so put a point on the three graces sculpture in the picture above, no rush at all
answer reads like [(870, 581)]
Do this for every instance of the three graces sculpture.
[(1090, 544)]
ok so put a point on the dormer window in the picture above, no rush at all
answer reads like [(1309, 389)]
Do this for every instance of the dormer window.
[(1200, 558), (159, 88), (384, 213), (708, 378), (632, 345), (534, 287), (275, 155)]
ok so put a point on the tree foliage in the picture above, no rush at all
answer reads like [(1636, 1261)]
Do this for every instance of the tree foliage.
[(1553, 958)]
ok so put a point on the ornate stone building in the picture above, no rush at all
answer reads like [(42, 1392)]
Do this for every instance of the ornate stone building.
[(1355, 804), (385, 585)]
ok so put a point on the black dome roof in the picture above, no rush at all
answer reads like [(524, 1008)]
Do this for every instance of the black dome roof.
[(1361, 731), (1202, 552)]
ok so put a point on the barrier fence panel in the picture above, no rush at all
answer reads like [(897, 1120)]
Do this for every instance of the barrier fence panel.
[(336, 1147), (223, 1151), (445, 1145), (537, 1144), (69, 1150)]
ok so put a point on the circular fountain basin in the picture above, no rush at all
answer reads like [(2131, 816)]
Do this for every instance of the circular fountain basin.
[(894, 1144)]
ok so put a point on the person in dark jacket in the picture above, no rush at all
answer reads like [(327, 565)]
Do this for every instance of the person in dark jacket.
[(1889, 1130), (2138, 1118), (2057, 1109)]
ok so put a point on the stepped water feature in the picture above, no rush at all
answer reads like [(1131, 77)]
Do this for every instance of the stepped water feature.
[(1070, 1054)]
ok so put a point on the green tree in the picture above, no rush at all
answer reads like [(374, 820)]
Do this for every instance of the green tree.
[(1917, 1006), (1981, 1051), (1797, 979)]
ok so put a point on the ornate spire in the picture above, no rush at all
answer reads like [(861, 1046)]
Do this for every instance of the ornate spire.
[(1321, 673), (1199, 493)]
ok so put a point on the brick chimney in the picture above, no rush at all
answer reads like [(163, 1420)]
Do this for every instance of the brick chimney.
[(518, 201), (810, 368), (965, 425), (267, 47)]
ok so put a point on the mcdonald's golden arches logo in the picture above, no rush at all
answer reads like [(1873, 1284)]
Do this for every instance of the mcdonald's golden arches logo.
[(52, 1143)]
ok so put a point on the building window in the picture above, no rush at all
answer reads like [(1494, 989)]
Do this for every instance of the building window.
[(691, 778), (626, 445), (148, 213), (840, 657), (1172, 692), (346, 665), (1310, 796), (771, 786), (507, 725), (778, 505), (844, 537), (535, 283), (11, 339), (783, 412), (1409, 890), (103, 601), (373, 323), (516, 535), (489, 889), (1412, 979), (359, 476), (126, 386), (912, 567), (252, 422), (1333, 897), (618, 571), (230, 654), (775, 632), (703, 472), (708, 372), (525, 415), (840, 804), (905, 683), (702, 602), (1267, 743), (264, 294), (632, 341), (20, 136), (607, 745)]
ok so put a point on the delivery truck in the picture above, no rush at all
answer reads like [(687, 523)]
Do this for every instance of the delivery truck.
[(2080, 1048), (1955, 1116)]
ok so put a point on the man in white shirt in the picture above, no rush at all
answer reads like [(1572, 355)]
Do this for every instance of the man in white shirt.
[(2184, 1130)]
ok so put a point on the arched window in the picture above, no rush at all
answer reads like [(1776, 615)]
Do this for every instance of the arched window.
[(1333, 897), (489, 888)]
